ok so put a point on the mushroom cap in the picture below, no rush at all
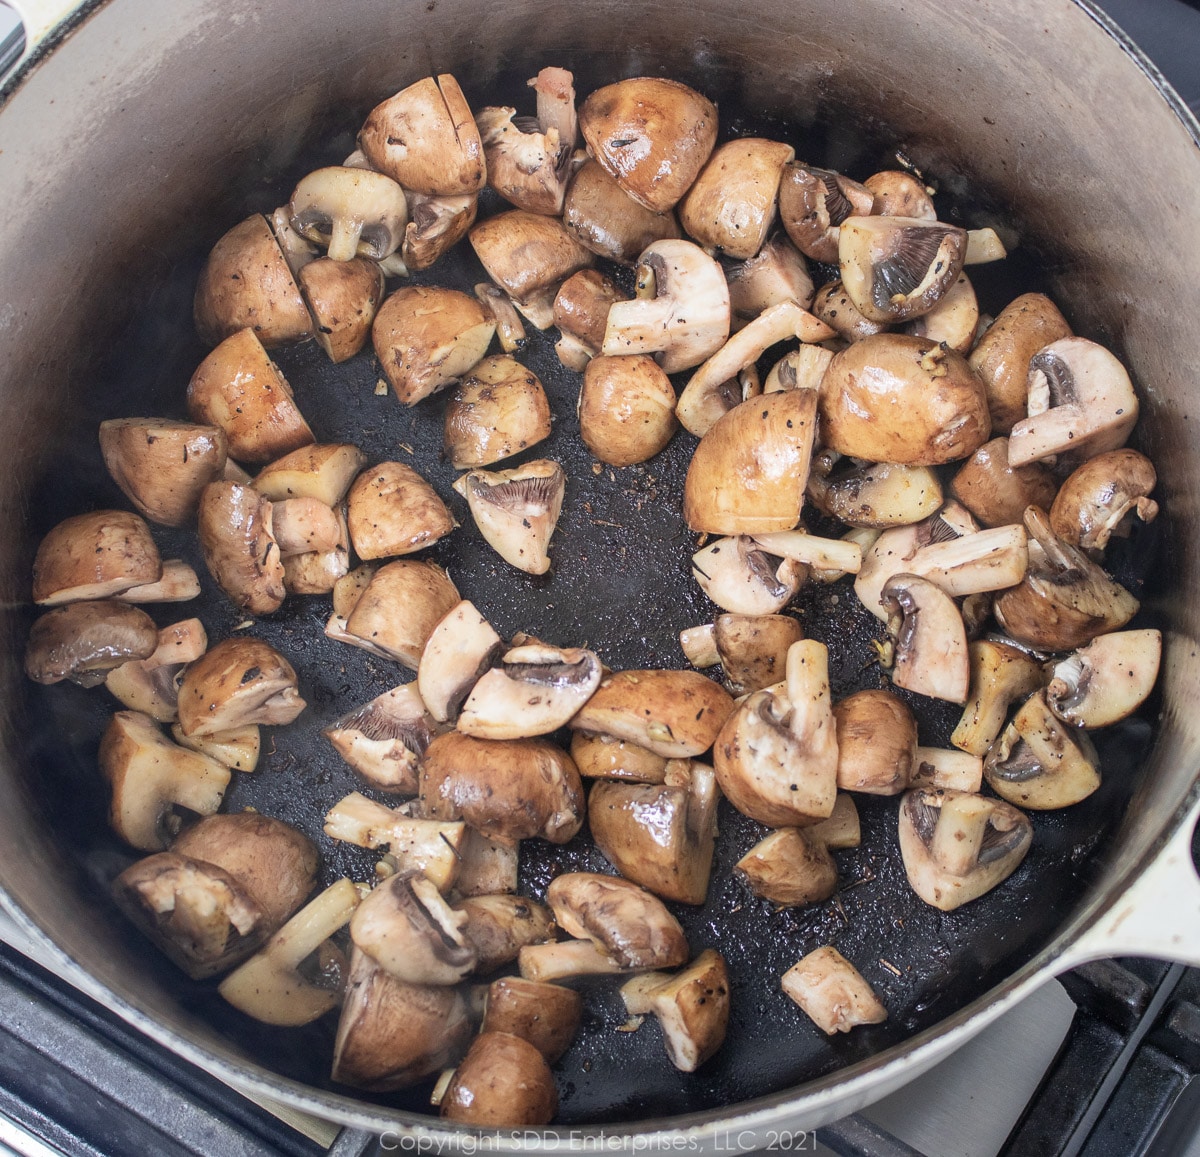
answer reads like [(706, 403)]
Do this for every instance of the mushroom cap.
[(626, 409), (877, 742), (344, 297), (350, 211), (502, 1081), (744, 578), (239, 681), (832, 305), (83, 641), (499, 409), (235, 528), (401, 605), (499, 926), (872, 495), (485, 867), (94, 556), (392, 510), (652, 135), (582, 303), (777, 273), (517, 510), (753, 649), (150, 685), (1107, 680), (931, 655), (322, 471), (790, 868), (813, 203), (546, 1015), (1100, 497), (997, 493), (608, 221), (438, 224), (606, 757), (526, 253), (896, 193), (528, 165)]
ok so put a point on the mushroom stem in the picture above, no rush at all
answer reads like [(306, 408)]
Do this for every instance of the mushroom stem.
[(562, 959), (305, 932), (700, 645), (983, 245), (958, 836), (343, 241), (838, 554)]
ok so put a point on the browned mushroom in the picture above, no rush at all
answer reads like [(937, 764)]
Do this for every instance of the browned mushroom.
[(744, 578), (602, 756), (997, 493), (344, 297), (150, 685), (526, 253), (812, 205), (877, 742), (84, 641), (1000, 674), (608, 221), (832, 992), (777, 273), (392, 510), (900, 194), (349, 211), (497, 410), (94, 556), (517, 510), (581, 313), (1101, 498), (437, 225), (321, 471), (790, 868), (499, 926), (832, 305), (502, 1081), (546, 1015), (626, 409), (241, 680), (875, 495), (753, 649)]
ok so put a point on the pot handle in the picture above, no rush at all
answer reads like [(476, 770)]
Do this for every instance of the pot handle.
[(1158, 914), (40, 18)]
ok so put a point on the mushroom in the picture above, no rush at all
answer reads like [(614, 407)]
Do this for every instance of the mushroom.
[(321, 471), (1000, 675), (385, 739), (1080, 399), (986, 560), (602, 756), (533, 690), (1039, 762), (299, 975), (743, 578), (692, 1007), (660, 836), (344, 297), (392, 510), (747, 476), (238, 388), (461, 648), (1001, 356), (997, 493), (546, 1015), (178, 583), (898, 268), (485, 867), (681, 311), (246, 282), (406, 927), (517, 510), (235, 526), (841, 828), (1101, 497), (238, 748), (239, 681), (427, 845), (983, 246), (877, 742), (753, 649), (498, 927), (606, 220), (581, 313), (875, 495), (699, 644), (94, 556), (900, 194), (437, 224), (820, 553), (776, 758), (946, 767), (626, 409), (790, 868), (149, 685), (777, 273), (316, 572), (1107, 680), (862, 537), (675, 714), (812, 205), (954, 320), (349, 212), (898, 398), (497, 410), (731, 204), (958, 846), (509, 330), (832, 992), (162, 465), (652, 135), (85, 641), (299, 251), (151, 777), (565, 960), (502, 1081), (425, 139), (526, 254), (802, 369), (833, 306), (508, 790), (426, 337), (930, 641), (1065, 599)]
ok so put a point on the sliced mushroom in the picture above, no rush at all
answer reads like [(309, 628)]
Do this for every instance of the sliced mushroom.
[(517, 510), (151, 777), (85, 641), (832, 992), (681, 311), (753, 649), (581, 313), (1080, 399), (743, 578), (498, 927), (385, 739), (437, 225), (162, 465), (692, 1007), (246, 282), (676, 714), (426, 337), (534, 690), (626, 409), (240, 550), (509, 330), (810, 549), (150, 685), (877, 742), (600, 756), (1101, 498), (461, 648), (526, 253), (502, 1081), (349, 212), (954, 320), (239, 681), (957, 846), (508, 790), (497, 410), (94, 556), (344, 297), (660, 836), (997, 493), (900, 194), (898, 268), (776, 758), (425, 138), (748, 474), (321, 471), (777, 273), (546, 1015), (1107, 680), (929, 638), (652, 135), (1065, 599), (841, 828), (486, 867), (987, 560), (304, 526), (392, 510), (812, 205), (300, 974), (565, 960), (1039, 762), (802, 369), (833, 306), (238, 748), (299, 251), (947, 767), (1000, 675), (872, 495), (178, 583), (790, 868)]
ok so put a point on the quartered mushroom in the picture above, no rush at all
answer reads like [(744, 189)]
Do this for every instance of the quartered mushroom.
[(300, 974), (486, 867), (344, 297), (527, 254), (790, 868), (998, 493), (874, 495), (392, 510), (814, 202), (322, 471), (691, 1006), (462, 647), (661, 836), (502, 1081), (237, 682), (85, 641), (316, 572), (832, 305), (599, 756), (776, 758), (609, 222), (507, 790), (841, 828), (436, 225), (1039, 762), (1102, 497), (162, 465), (947, 767), (546, 1015), (349, 212), (299, 251), (832, 992), (900, 194), (1107, 680), (976, 563), (929, 639), (94, 556), (626, 409), (304, 526), (898, 268), (743, 578), (957, 846), (238, 748), (235, 527), (499, 926), (581, 313), (954, 320), (1080, 400), (1000, 675), (752, 649), (775, 274), (385, 739), (877, 742), (150, 685), (517, 510), (533, 690), (497, 410)]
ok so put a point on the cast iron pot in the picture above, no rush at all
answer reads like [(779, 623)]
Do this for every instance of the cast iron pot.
[(134, 133)]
